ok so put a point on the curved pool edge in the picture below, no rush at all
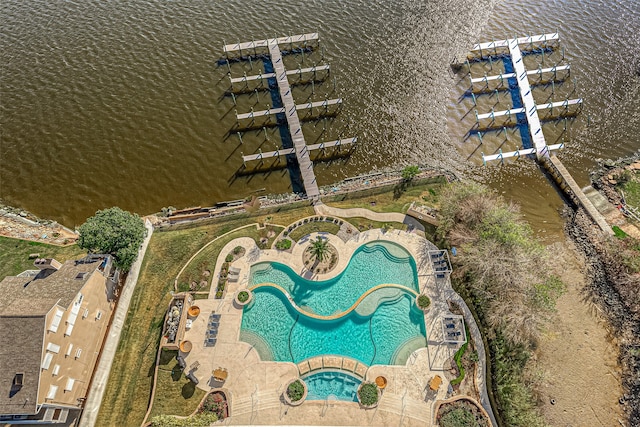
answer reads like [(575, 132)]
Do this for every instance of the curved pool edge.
[(335, 315)]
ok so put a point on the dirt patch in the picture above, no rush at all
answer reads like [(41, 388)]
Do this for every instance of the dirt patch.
[(579, 361)]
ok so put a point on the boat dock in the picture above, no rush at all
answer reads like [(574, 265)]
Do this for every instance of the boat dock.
[(528, 108), (299, 72), (286, 151), (269, 50), (551, 105), (309, 105), (539, 71)]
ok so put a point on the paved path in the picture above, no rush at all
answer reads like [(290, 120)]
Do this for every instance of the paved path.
[(101, 376), (322, 209)]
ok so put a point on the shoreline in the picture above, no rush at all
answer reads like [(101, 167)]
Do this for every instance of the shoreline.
[(20, 224)]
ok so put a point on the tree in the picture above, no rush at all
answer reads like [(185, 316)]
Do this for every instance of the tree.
[(410, 172), (320, 249), (116, 232)]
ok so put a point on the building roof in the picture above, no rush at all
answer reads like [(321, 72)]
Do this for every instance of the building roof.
[(24, 305), (21, 340), (61, 286)]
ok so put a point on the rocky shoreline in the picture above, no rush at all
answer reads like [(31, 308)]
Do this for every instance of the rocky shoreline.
[(614, 290), (20, 224)]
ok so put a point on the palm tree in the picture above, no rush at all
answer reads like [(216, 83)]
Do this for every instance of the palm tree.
[(319, 249)]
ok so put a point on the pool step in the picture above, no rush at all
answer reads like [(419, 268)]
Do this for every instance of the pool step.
[(265, 400), (416, 409)]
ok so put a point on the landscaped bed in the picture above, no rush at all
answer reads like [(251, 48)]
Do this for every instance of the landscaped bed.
[(461, 413), (313, 227)]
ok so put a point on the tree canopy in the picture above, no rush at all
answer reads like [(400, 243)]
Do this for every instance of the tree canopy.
[(116, 232), (410, 172), (320, 249)]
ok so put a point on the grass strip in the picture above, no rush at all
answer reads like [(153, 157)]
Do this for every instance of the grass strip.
[(14, 254)]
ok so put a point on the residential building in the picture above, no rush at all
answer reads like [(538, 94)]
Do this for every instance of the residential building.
[(53, 321)]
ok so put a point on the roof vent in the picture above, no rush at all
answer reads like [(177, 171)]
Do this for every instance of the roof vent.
[(18, 380), (81, 276)]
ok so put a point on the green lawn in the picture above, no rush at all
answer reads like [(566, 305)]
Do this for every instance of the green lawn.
[(128, 391), (206, 260), (175, 394), (394, 199), (632, 192), (14, 254), (313, 227)]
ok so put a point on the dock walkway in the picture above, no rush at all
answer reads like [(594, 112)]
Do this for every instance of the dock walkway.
[(302, 153)]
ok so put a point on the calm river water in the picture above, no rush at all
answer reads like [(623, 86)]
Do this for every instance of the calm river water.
[(122, 103)]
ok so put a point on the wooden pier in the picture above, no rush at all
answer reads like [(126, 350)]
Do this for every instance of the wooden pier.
[(309, 105), (253, 45), (539, 71), (299, 72), (529, 109), (521, 75), (551, 105), (286, 151), (289, 109)]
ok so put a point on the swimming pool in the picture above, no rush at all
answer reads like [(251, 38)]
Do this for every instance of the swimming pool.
[(332, 385), (383, 328)]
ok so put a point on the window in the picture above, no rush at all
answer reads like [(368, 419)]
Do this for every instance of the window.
[(56, 320), (46, 362), (53, 348), (56, 369), (53, 389)]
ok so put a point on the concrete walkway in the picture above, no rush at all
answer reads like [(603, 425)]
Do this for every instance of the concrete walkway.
[(322, 209), (101, 376)]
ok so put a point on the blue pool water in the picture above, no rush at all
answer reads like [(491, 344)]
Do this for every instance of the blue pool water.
[(332, 385), (384, 329), (371, 265)]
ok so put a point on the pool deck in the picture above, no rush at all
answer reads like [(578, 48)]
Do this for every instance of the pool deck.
[(256, 386)]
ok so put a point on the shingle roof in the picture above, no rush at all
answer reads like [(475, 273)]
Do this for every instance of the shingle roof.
[(60, 285), (20, 352), (23, 307)]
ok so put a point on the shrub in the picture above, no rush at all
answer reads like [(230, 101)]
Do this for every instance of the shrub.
[(283, 244), (215, 403), (243, 296), (410, 172), (458, 359), (198, 420), (460, 417), (229, 258), (368, 394), (237, 250), (423, 301), (295, 391)]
